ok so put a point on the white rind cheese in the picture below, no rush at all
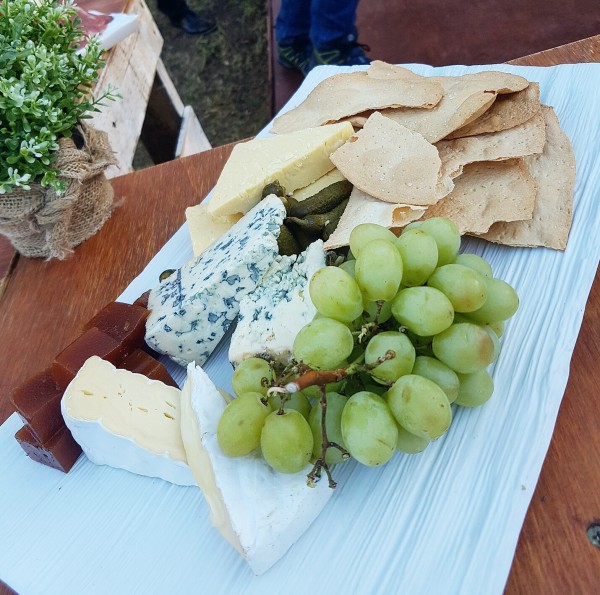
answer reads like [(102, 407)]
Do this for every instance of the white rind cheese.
[(261, 512), (295, 160), (127, 421), (272, 315), (191, 310)]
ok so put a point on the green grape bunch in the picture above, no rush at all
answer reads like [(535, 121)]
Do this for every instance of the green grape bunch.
[(405, 330)]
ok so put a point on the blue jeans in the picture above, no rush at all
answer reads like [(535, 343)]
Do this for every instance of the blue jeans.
[(321, 21)]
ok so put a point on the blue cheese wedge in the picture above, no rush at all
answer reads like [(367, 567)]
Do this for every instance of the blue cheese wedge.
[(191, 310), (272, 315), (128, 421), (260, 512), (295, 160)]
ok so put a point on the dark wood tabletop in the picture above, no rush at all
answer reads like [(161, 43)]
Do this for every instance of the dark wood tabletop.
[(46, 303)]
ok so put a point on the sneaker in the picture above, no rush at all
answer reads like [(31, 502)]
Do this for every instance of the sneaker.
[(295, 55), (194, 25), (345, 51)]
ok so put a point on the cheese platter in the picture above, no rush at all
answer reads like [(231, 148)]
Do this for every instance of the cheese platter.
[(411, 507)]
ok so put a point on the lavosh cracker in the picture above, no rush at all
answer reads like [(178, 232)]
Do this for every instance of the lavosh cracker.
[(488, 192), (390, 162), (363, 208), (528, 138), (465, 99), (506, 112), (554, 173), (342, 95)]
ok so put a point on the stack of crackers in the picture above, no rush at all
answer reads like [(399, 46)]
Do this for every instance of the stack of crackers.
[(479, 149)]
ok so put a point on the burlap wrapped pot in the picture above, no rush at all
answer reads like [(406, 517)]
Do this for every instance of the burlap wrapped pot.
[(43, 224)]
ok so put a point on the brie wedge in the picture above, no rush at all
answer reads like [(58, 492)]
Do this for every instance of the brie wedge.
[(126, 420), (261, 512)]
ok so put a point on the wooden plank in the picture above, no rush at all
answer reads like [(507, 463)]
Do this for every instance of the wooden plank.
[(554, 554), (47, 302), (131, 66), (192, 138), (8, 258), (164, 114)]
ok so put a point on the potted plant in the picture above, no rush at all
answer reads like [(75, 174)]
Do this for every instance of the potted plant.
[(53, 192)]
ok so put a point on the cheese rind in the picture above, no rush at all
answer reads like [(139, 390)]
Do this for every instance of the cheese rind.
[(261, 512), (191, 310), (295, 160), (272, 315), (127, 421)]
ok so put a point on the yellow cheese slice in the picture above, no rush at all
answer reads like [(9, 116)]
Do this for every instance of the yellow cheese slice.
[(335, 175), (204, 228), (296, 160)]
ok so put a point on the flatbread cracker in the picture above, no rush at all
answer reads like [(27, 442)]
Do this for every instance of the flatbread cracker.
[(363, 208), (554, 173), (465, 99), (487, 192), (528, 138), (506, 112), (342, 95), (390, 162)]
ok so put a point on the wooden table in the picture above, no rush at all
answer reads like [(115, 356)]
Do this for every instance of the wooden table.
[(47, 302)]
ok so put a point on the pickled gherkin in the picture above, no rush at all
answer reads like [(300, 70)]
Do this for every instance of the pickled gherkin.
[(324, 201), (273, 188)]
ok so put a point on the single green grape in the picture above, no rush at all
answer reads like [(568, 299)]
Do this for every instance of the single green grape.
[(298, 401), (286, 441), (475, 262), (441, 374), (501, 303), (410, 443), (402, 362), (446, 236), (314, 392), (379, 270), (419, 254), (495, 340), (349, 266), (364, 233), (412, 225), (333, 427), (372, 310), (336, 294), (424, 311), (464, 347), (240, 426), (497, 327), (420, 406), (465, 288), (475, 388), (368, 428), (323, 343), (252, 375)]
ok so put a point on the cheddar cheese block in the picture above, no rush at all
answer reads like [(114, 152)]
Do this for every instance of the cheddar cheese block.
[(296, 160)]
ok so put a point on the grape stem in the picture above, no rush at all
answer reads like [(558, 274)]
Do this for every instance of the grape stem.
[(288, 385), (322, 377), (320, 463)]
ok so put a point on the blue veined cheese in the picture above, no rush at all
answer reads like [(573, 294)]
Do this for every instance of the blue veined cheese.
[(191, 310), (259, 511), (272, 315)]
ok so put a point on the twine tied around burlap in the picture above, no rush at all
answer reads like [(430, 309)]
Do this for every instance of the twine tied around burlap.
[(41, 223)]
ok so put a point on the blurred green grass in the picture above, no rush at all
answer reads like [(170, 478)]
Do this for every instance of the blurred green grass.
[(223, 75)]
